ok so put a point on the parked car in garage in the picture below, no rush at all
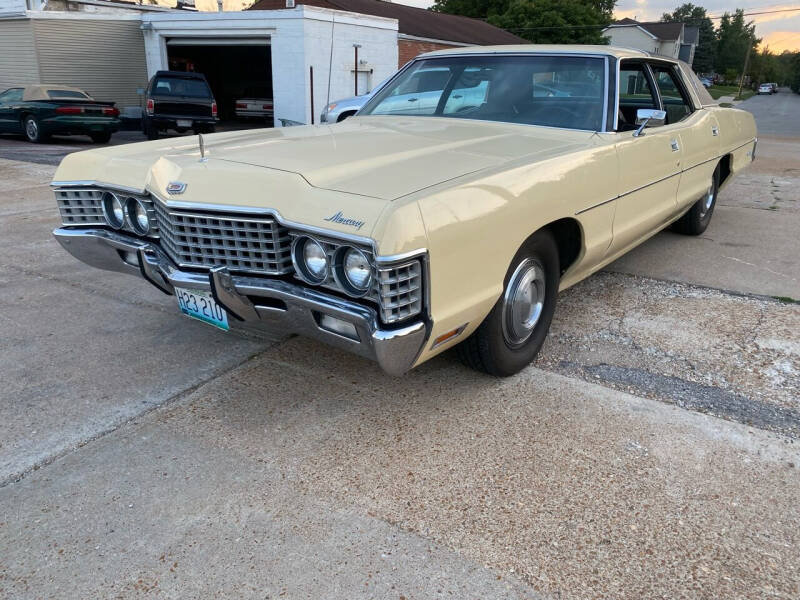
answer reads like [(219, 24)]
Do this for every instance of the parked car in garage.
[(39, 111), (178, 100), (398, 235), (257, 104), (765, 88)]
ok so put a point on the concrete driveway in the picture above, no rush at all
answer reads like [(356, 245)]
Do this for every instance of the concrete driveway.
[(650, 452)]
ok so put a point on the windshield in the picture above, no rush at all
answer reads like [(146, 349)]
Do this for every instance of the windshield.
[(178, 86), (555, 91)]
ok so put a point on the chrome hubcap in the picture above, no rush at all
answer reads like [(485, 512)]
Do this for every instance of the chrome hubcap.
[(708, 201), (31, 128), (523, 302)]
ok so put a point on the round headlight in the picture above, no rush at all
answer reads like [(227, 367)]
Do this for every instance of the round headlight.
[(113, 210), (138, 218), (310, 260), (356, 269)]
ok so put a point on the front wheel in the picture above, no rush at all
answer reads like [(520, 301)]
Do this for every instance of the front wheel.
[(100, 138), (513, 333), (696, 220), (33, 130)]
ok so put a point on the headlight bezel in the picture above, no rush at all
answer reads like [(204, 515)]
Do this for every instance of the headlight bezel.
[(341, 276), (133, 217), (300, 263), (109, 202)]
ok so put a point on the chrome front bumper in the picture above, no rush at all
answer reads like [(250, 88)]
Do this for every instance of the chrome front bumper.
[(289, 307)]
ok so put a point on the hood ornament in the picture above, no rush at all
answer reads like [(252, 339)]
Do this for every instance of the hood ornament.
[(176, 187), (202, 146)]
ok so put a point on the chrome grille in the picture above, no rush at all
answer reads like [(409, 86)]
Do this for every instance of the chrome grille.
[(400, 291), (81, 206), (252, 244)]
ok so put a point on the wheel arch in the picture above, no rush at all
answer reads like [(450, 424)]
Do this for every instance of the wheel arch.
[(568, 235), (725, 168), (346, 115)]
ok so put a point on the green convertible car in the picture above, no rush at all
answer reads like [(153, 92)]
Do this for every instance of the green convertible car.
[(39, 111)]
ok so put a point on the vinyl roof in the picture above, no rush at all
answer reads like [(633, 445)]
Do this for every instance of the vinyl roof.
[(418, 22), (545, 49), (40, 92)]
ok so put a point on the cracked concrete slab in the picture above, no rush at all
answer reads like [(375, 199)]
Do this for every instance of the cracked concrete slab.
[(311, 474)]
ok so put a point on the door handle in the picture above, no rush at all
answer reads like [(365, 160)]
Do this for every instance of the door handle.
[(674, 144), (412, 99), (714, 130)]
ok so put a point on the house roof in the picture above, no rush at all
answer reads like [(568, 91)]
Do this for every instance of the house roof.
[(418, 22), (669, 31)]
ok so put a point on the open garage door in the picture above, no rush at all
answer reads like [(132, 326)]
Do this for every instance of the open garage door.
[(236, 68)]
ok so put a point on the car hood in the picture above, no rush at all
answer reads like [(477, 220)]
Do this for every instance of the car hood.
[(390, 157)]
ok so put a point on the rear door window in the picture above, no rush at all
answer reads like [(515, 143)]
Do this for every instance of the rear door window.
[(672, 96)]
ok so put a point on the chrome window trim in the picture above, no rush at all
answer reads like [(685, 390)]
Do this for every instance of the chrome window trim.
[(604, 56)]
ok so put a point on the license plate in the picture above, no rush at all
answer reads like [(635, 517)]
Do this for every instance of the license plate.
[(184, 123), (199, 304)]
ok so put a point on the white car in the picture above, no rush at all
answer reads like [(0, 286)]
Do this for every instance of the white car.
[(257, 103), (765, 88)]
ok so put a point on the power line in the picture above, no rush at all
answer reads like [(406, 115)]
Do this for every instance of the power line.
[(561, 27)]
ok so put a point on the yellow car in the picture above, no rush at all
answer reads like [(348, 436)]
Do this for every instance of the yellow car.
[(450, 211)]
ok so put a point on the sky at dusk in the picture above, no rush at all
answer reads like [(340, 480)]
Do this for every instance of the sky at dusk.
[(779, 31)]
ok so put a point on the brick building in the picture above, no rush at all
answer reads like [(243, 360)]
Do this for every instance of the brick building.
[(419, 30)]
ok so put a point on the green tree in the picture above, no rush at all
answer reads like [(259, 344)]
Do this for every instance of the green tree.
[(696, 16), (734, 38), (557, 21), (477, 9)]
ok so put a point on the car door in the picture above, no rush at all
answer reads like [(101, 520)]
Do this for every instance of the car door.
[(699, 135), (649, 164), (9, 108)]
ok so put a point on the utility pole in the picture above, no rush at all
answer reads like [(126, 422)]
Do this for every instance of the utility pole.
[(744, 71)]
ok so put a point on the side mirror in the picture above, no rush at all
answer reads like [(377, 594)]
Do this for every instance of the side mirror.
[(649, 117)]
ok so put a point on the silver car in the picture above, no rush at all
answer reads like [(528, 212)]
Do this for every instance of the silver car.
[(341, 109)]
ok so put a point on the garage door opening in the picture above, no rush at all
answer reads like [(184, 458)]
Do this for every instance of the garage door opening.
[(236, 70)]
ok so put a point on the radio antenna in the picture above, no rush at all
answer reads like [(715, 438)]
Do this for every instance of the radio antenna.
[(330, 62)]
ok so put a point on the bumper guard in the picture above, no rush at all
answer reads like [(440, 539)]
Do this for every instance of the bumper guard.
[(289, 307)]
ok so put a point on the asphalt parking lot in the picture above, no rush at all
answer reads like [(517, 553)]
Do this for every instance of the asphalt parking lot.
[(652, 451)]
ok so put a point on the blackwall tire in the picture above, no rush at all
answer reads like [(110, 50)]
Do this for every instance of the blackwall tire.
[(514, 331), (696, 220)]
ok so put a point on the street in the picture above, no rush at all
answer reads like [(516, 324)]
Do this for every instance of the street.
[(651, 451)]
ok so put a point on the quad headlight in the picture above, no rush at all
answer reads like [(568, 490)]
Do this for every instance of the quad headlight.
[(113, 210), (310, 260), (138, 218), (353, 271)]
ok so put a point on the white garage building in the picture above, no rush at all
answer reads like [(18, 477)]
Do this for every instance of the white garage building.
[(290, 52), (285, 54)]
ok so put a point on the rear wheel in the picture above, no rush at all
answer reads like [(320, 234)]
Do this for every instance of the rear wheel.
[(513, 333), (696, 220), (32, 129), (150, 130), (100, 138)]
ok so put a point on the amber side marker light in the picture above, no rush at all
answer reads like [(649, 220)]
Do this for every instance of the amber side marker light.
[(444, 338)]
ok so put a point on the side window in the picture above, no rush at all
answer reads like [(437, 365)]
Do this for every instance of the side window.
[(675, 102), (12, 95), (634, 93)]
